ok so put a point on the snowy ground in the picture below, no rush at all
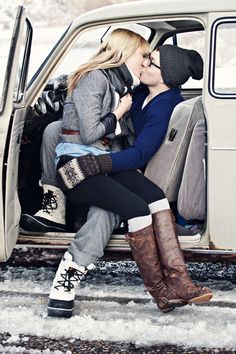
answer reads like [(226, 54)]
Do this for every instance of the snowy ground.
[(23, 294)]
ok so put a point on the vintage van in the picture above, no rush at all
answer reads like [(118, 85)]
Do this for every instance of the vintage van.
[(207, 26)]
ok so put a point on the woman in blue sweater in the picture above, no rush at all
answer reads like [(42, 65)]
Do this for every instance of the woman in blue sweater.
[(150, 114), (110, 180)]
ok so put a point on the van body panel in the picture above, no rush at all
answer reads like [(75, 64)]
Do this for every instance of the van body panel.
[(220, 113)]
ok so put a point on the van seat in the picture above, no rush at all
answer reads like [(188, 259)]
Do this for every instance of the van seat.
[(166, 167)]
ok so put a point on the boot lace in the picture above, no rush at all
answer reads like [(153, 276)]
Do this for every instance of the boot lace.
[(69, 279), (49, 202)]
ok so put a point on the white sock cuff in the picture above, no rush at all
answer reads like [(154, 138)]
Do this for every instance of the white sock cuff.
[(139, 223), (159, 205)]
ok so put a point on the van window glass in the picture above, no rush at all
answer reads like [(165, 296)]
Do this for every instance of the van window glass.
[(44, 38), (6, 29), (8, 41), (20, 79), (87, 44), (225, 59), (191, 40)]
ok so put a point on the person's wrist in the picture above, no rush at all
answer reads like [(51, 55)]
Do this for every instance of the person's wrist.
[(118, 113)]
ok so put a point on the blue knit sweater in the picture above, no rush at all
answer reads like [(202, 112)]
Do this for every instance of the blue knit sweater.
[(150, 125)]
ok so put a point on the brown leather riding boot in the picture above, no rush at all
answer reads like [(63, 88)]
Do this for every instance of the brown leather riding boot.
[(144, 250), (171, 256)]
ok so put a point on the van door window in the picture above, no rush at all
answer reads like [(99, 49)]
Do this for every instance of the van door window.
[(21, 77), (191, 40), (6, 29), (6, 62), (87, 44), (224, 57)]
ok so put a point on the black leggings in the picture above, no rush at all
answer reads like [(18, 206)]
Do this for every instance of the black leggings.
[(125, 193)]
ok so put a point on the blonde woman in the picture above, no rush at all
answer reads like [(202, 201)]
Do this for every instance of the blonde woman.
[(98, 97)]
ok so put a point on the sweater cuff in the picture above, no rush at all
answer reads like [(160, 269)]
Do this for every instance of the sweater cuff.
[(105, 163), (109, 121)]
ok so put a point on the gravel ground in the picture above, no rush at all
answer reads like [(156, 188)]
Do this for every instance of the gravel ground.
[(37, 345)]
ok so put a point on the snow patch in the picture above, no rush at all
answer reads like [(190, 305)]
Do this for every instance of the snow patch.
[(141, 324)]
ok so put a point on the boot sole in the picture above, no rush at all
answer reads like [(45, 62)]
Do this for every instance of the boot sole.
[(173, 304), (58, 312), (60, 308), (201, 299), (29, 223), (169, 309), (180, 303)]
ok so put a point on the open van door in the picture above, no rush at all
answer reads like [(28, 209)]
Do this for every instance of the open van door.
[(12, 115), (220, 106)]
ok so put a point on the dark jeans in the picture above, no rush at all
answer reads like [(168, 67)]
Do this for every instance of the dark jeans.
[(125, 193)]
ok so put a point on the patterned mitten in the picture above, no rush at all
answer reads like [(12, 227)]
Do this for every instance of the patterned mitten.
[(77, 169)]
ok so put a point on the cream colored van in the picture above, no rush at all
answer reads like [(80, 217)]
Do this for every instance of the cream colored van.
[(206, 26)]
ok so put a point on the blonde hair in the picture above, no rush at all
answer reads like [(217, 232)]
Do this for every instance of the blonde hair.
[(120, 44)]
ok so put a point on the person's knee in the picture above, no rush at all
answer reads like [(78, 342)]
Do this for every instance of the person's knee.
[(137, 209), (153, 193), (51, 138), (107, 217), (99, 213), (52, 133), (157, 194)]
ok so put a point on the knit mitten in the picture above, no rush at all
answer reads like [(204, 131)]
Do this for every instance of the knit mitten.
[(77, 169)]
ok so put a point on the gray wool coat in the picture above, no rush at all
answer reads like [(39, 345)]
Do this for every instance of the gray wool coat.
[(92, 99)]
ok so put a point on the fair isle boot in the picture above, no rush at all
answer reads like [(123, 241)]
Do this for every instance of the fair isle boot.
[(62, 293), (51, 218)]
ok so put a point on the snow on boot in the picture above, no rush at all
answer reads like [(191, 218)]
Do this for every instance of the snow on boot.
[(51, 218), (62, 293)]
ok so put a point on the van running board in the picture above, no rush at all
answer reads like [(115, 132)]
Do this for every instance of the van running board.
[(117, 241)]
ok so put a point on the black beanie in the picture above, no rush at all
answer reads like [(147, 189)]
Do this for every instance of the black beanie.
[(178, 64)]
